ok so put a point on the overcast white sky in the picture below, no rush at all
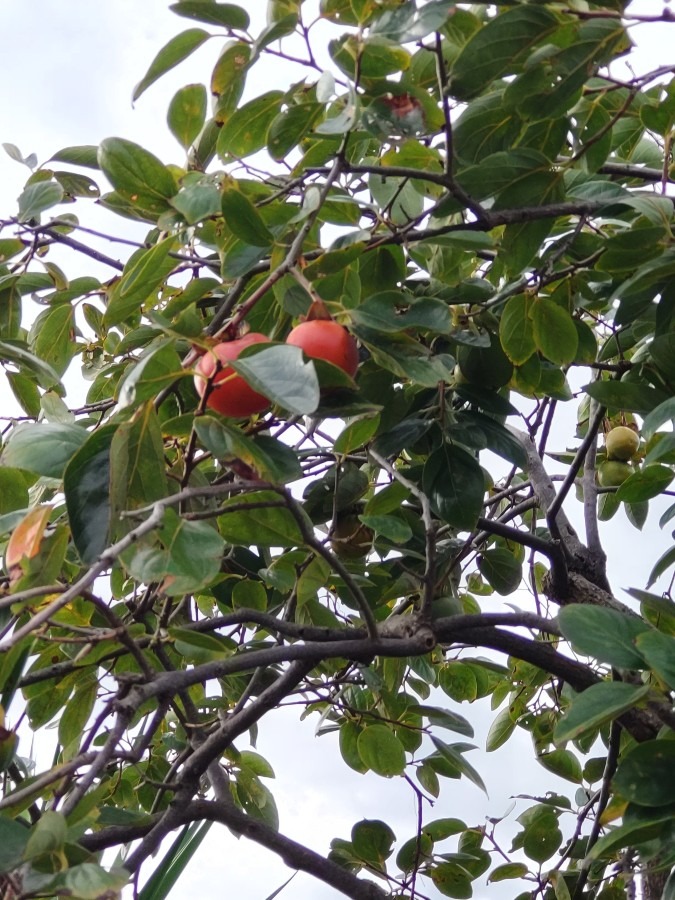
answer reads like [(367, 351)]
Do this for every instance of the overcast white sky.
[(67, 71)]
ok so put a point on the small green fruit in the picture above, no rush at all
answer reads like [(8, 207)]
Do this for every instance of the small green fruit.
[(351, 539), (612, 473), (444, 606), (621, 443)]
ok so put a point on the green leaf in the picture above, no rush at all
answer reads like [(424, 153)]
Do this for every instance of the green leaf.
[(554, 332), (356, 434), (256, 763), (494, 50), (655, 607), (198, 200), (247, 128), (381, 750), (454, 482), (249, 595), (630, 397), (403, 24), (143, 274), (86, 484), (648, 276), (289, 127), (542, 836), (258, 802), (349, 733), (664, 412), (453, 754), (25, 392), (440, 829), (631, 834), (267, 525), (270, 458), (659, 651), (9, 247), (458, 681), (394, 311), (443, 718), (281, 374), (13, 489), (244, 219), (200, 648), (14, 153), (184, 557), (645, 484), (187, 113), (137, 475), (227, 15), (277, 29), (51, 337), (47, 836), (373, 841), (44, 449), (75, 717), (563, 763), (37, 197), (452, 880), (229, 77), (506, 871), (516, 330), (375, 56), (501, 570), (663, 564), (159, 367), (390, 527), (83, 155), (428, 778), (76, 185), (40, 371), (397, 198), (10, 312), (414, 851), (645, 774), (637, 513), (597, 705), (501, 730), (605, 634), (496, 436), (13, 840), (485, 366), (89, 881), (137, 175), (178, 49)]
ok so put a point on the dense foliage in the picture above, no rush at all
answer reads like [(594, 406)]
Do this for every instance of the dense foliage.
[(483, 203)]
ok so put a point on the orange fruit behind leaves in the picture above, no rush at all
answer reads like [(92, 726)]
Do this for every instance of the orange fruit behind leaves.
[(231, 394), (326, 339)]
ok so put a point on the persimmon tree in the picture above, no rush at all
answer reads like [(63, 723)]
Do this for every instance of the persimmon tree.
[(482, 202)]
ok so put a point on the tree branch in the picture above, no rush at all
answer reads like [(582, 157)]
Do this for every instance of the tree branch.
[(293, 854)]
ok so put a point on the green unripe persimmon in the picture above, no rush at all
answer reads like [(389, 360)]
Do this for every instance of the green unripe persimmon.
[(612, 473), (351, 539), (621, 443)]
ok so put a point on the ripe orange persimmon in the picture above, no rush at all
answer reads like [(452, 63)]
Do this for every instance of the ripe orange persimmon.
[(326, 339), (231, 394)]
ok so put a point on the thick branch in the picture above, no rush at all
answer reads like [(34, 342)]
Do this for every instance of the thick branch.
[(293, 854), (214, 745), (579, 558)]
